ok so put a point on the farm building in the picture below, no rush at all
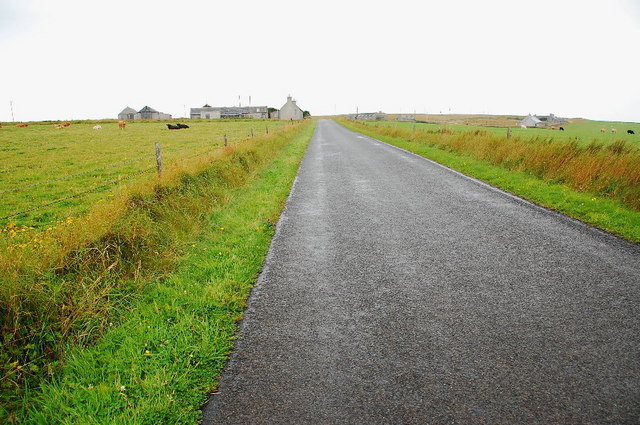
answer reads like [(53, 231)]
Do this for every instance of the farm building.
[(552, 119), (127, 114), (531, 121), (146, 113), (541, 121), (290, 111), (406, 118), (369, 116), (211, 113)]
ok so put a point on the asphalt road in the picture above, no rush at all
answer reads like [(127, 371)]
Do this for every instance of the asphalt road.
[(397, 291)]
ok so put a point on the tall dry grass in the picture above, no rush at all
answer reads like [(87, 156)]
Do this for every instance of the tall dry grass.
[(605, 170), (65, 285)]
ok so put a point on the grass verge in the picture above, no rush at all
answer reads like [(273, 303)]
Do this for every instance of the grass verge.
[(608, 214), (158, 353)]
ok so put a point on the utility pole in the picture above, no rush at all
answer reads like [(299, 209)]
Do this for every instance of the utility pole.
[(11, 105)]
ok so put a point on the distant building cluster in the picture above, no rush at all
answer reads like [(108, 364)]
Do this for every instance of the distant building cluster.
[(209, 112), (289, 111), (146, 113), (541, 121)]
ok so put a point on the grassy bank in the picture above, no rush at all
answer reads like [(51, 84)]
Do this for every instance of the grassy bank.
[(160, 342), (597, 184)]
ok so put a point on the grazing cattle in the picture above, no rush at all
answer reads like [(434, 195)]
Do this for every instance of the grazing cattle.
[(602, 130), (22, 125), (0, 125), (66, 124), (97, 127), (173, 127), (628, 131), (561, 128), (613, 130), (523, 126), (58, 126), (122, 124), (182, 125)]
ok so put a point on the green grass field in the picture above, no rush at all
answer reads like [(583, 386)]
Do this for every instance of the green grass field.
[(46, 164), (138, 299), (581, 131)]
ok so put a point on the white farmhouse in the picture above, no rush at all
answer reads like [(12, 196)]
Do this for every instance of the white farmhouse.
[(531, 121), (290, 111)]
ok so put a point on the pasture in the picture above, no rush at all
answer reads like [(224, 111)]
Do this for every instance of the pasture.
[(580, 131), (60, 172)]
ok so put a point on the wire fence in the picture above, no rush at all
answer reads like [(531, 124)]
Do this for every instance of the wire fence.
[(104, 184)]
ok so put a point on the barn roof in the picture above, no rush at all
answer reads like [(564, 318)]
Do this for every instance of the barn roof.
[(147, 109), (128, 110), (530, 120)]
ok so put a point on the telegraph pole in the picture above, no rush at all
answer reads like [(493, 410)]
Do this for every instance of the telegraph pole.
[(11, 105)]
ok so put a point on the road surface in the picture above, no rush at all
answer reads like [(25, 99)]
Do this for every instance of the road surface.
[(397, 291)]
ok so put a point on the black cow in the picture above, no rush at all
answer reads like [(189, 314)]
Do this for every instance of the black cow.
[(561, 128), (173, 127), (182, 125), (630, 132)]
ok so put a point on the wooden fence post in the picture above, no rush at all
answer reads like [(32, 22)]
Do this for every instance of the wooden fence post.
[(508, 132), (225, 140), (158, 158), (251, 131), (267, 127)]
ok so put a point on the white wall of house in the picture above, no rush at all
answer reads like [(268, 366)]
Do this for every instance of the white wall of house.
[(290, 111)]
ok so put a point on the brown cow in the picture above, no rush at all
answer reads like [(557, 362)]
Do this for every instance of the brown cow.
[(24, 124), (122, 124), (613, 130), (66, 124), (602, 130)]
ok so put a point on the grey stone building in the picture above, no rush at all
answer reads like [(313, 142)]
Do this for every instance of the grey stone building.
[(146, 113), (290, 111), (127, 114), (542, 120), (531, 121), (369, 116), (209, 112)]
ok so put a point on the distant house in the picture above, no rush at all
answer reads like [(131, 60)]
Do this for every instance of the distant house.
[(406, 118), (369, 116), (209, 112), (531, 121), (146, 113), (290, 111), (127, 114), (541, 121), (552, 119)]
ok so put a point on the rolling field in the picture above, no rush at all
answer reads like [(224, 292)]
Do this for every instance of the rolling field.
[(581, 131), (75, 167)]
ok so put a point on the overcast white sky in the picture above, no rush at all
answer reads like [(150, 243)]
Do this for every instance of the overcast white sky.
[(77, 59)]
